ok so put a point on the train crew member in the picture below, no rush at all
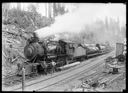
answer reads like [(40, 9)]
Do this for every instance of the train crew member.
[(45, 69), (44, 66), (53, 66), (98, 46)]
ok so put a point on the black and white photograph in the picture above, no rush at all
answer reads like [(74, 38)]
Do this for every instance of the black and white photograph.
[(63, 47)]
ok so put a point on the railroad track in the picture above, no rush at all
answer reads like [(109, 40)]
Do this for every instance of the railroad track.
[(54, 76), (88, 74), (72, 77), (103, 78)]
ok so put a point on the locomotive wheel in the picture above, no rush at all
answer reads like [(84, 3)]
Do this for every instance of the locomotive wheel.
[(82, 58), (41, 70)]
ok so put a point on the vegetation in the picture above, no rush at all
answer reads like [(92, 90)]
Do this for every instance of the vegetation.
[(17, 26)]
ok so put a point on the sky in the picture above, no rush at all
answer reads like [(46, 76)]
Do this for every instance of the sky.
[(101, 10)]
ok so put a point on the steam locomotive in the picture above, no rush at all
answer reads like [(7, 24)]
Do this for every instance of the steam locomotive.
[(62, 52)]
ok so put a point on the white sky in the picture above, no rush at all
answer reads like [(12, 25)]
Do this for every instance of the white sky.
[(101, 10)]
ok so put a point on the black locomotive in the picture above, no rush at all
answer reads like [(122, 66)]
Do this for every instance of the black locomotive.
[(61, 52)]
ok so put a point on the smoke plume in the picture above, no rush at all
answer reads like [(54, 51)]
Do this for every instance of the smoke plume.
[(90, 19)]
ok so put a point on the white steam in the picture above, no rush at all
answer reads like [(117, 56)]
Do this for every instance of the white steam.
[(85, 15)]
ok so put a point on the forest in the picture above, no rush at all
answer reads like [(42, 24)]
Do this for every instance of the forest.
[(18, 26)]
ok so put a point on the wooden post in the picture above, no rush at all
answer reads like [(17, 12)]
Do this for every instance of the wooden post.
[(82, 85), (23, 78)]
